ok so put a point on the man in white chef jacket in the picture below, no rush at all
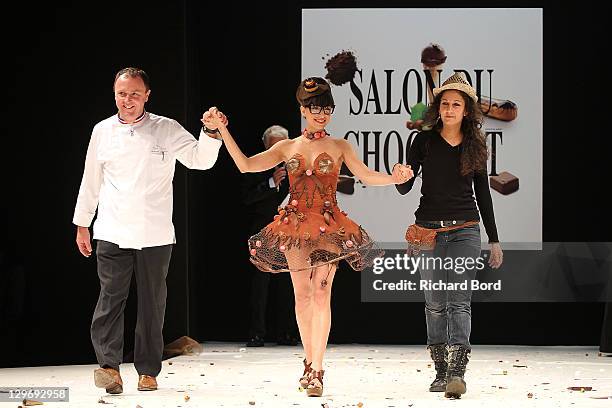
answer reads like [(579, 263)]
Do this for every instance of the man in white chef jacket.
[(128, 177)]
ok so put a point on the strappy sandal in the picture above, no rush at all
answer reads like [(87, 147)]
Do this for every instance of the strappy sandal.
[(305, 378), (315, 386)]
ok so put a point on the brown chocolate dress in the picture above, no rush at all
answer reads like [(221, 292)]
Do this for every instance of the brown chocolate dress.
[(311, 230)]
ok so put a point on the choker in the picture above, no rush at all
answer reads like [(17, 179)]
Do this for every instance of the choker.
[(315, 135)]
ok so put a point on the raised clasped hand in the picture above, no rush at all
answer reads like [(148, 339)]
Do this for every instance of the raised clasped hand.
[(401, 173)]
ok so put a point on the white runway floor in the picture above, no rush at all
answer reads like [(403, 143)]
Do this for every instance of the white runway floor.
[(367, 376)]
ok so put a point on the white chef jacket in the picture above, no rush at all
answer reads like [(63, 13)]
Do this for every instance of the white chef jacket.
[(128, 176)]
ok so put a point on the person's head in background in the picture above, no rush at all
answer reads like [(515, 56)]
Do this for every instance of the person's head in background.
[(273, 135)]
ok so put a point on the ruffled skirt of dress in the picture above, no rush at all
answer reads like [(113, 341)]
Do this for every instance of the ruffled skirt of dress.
[(297, 241)]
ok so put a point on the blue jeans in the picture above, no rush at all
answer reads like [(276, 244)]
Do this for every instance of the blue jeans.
[(448, 313)]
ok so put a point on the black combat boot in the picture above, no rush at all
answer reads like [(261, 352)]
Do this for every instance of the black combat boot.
[(439, 354), (458, 357)]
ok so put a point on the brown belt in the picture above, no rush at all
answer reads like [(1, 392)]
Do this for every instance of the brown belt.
[(449, 223)]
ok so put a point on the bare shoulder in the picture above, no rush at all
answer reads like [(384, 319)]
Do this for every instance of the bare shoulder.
[(283, 148), (283, 145), (287, 142), (342, 144)]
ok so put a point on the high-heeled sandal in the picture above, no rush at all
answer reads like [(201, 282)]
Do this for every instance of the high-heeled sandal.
[(305, 378), (315, 386)]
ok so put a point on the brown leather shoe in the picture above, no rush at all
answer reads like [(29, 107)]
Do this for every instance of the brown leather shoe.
[(146, 383), (109, 379)]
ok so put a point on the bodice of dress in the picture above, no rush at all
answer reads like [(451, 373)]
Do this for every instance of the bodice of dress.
[(312, 188)]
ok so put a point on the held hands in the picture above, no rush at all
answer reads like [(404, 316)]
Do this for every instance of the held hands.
[(401, 173), (497, 256), (214, 119)]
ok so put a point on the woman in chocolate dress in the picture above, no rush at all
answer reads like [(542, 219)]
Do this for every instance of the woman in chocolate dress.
[(311, 234), (453, 159)]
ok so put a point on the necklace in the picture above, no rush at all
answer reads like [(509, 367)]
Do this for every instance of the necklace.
[(315, 135)]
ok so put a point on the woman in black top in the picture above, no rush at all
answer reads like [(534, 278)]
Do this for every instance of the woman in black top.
[(453, 159)]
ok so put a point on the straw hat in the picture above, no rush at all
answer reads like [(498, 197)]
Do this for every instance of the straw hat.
[(458, 82)]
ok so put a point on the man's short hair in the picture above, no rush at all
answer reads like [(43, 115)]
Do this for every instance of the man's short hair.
[(274, 130), (133, 73)]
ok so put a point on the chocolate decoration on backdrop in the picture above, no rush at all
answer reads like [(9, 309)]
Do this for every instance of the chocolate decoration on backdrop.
[(504, 183), (433, 55), (501, 109), (341, 68)]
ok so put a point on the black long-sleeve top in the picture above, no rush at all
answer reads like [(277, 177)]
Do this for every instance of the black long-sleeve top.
[(445, 193)]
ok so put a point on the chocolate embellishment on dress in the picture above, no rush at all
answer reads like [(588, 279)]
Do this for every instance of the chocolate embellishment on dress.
[(326, 217), (293, 165), (325, 165)]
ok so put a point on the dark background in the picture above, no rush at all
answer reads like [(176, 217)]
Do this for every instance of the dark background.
[(59, 62)]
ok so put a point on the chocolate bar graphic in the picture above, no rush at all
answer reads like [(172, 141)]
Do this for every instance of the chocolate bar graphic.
[(498, 108), (505, 183)]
